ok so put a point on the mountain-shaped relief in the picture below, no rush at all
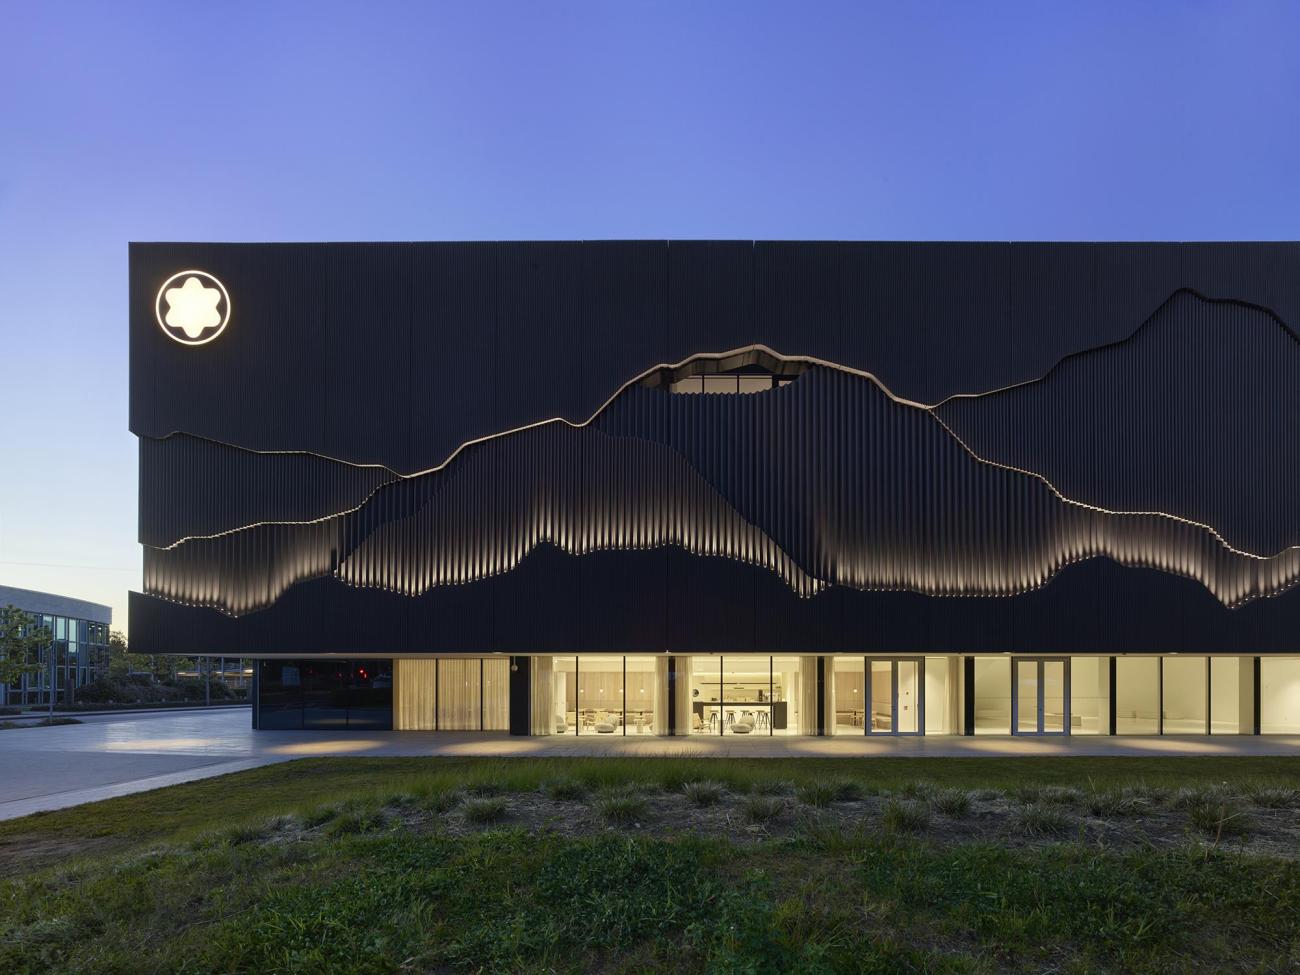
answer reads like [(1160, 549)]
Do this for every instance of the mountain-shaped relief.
[(1197, 414), (829, 480)]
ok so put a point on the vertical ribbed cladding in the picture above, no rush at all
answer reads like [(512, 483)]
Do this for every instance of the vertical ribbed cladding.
[(1197, 414), (199, 487)]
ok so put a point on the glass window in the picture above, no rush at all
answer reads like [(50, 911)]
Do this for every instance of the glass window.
[(415, 706), (1089, 695), (787, 693), (564, 679), (940, 695), (719, 384), (324, 694), (746, 695), (460, 702), (1279, 695), (753, 384), (279, 698), (692, 384), (993, 695), (643, 694), (370, 694), (600, 695), (1137, 695), (848, 692), (1226, 683), (706, 695), (1186, 695), (496, 693)]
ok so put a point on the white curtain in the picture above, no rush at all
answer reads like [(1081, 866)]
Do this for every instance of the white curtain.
[(458, 694), (496, 693), (660, 724), (413, 681), (807, 696), (543, 701), (683, 695)]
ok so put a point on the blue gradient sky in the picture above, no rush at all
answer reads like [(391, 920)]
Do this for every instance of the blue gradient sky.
[(373, 121)]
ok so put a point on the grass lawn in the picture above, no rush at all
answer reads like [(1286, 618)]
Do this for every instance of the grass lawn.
[(630, 865)]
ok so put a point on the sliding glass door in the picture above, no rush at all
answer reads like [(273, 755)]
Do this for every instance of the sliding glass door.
[(1040, 695)]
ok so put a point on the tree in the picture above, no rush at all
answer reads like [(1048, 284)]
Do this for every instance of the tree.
[(121, 661), (21, 643)]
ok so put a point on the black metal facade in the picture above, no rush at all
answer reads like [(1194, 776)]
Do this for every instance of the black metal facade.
[(467, 448)]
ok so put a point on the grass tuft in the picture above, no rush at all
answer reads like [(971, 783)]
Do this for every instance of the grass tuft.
[(817, 794), (705, 792), (952, 802), (923, 791), (773, 787), (1060, 795), (484, 810), (621, 810), (1274, 797), (1040, 820), (849, 790), (565, 790), (355, 822), (905, 816), (1219, 818), (762, 809)]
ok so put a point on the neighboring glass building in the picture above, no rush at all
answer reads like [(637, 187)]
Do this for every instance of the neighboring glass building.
[(78, 649), (743, 489)]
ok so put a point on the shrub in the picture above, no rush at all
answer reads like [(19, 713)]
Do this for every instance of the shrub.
[(1219, 818), (705, 792), (621, 810), (905, 816), (484, 810), (761, 809), (1036, 820), (952, 802), (564, 789)]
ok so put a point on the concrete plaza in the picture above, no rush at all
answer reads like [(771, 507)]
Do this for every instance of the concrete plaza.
[(114, 755)]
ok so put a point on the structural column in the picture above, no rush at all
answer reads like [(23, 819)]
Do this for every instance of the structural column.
[(521, 695)]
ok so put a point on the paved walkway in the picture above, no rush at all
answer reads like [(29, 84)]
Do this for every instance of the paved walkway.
[(116, 754)]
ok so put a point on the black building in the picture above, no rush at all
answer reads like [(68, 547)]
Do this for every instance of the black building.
[(726, 487)]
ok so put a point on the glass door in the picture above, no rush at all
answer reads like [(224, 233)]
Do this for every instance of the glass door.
[(895, 697), (1040, 696)]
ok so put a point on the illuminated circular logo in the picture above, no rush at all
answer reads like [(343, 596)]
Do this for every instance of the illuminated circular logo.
[(192, 307)]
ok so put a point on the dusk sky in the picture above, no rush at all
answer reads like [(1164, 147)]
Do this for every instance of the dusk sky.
[(375, 121)]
